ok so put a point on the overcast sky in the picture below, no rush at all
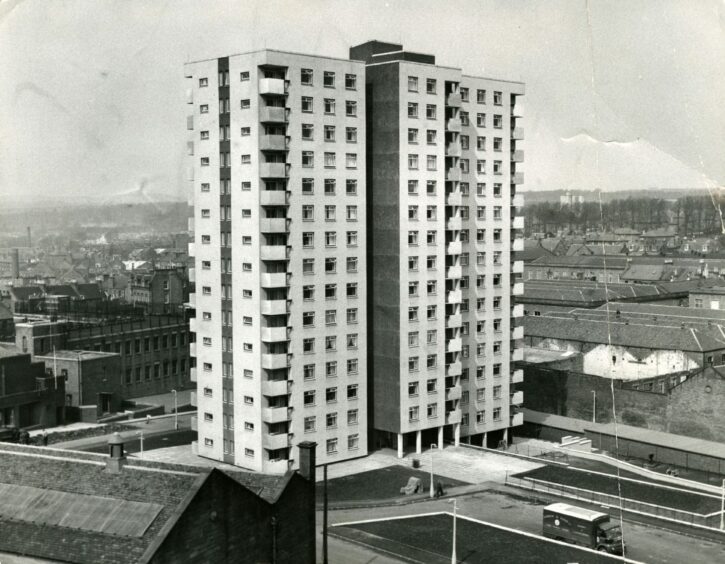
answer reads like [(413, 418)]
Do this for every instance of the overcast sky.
[(619, 95)]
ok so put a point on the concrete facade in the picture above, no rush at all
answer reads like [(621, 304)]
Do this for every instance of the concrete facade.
[(443, 173), (278, 149)]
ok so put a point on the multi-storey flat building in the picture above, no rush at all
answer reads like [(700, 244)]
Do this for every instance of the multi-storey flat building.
[(280, 257), (444, 165)]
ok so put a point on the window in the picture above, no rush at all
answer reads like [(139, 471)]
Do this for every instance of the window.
[(331, 420), (412, 110), (331, 395), (497, 98), (413, 413), (310, 424), (351, 160), (328, 79), (249, 400), (204, 135), (246, 131), (497, 414), (203, 82), (351, 134), (481, 96), (353, 442), (481, 120), (307, 104), (464, 119), (430, 213), (352, 238), (413, 213), (330, 239), (413, 339), (204, 109), (413, 264), (497, 144), (306, 76), (430, 187), (352, 264), (330, 211), (412, 162), (245, 104), (412, 187), (497, 167), (331, 446), (308, 131), (412, 289), (308, 212), (330, 186), (430, 86), (351, 82), (431, 336), (352, 341), (465, 142), (412, 389), (308, 319), (308, 267), (431, 361), (330, 265), (352, 315), (412, 238), (329, 106), (331, 317), (308, 159), (329, 160), (430, 262), (412, 84), (204, 161), (431, 237), (430, 111), (464, 94), (350, 108), (352, 391), (351, 187), (431, 136), (309, 397), (432, 287), (498, 121), (432, 410), (308, 239), (351, 213), (308, 345), (431, 312), (308, 186), (244, 76), (205, 187), (431, 162)]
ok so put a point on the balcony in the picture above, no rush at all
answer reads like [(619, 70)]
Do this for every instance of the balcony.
[(453, 272), (518, 201), (517, 244), (454, 368), (273, 280), (517, 267), (273, 225), (517, 332), (454, 223), (517, 310), (272, 143), (271, 114), (275, 415), (192, 324), (517, 222), (453, 100), (192, 349), (517, 134), (192, 373), (517, 398), (273, 252), (276, 466), (192, 275), (273, 198), (194, 423), (453, 393), (190, 224), (274, 442), (192, 399), (517, 289), (518, 109), (275, 387), (517, 178), (454, 320), (454, 198), (454, 248), (274, 334), (517, 355), (453, 150), (517, 376), (453, 174), (191, 250), (453, 417), (517, 419), (274, 361), (517, 156), (273, 170), (454, 297), (454, 345), (272, 86), (192, 299), (453, 124), (273, 307)]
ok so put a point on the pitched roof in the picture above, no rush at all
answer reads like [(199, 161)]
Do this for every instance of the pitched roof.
[(613, 263), (129, 511), (585, 292)]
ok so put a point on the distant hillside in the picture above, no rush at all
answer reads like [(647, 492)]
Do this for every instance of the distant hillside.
[(534, 196)]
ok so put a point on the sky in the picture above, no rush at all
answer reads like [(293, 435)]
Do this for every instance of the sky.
[(619, 95)]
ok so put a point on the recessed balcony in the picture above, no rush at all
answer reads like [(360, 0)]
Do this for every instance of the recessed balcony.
[(454, 368), (517, 289), (517, 376), (517, 311), (518, 201), (517, 178), (272, 114), (453, 174), (517, 134), (517, 267), (454, 198), (453, 124), (453, 150), (517, 222), (454, 248), (453, 393), (272, 142), (453, 417), (517, 332), (273, 225), (275, 442), (517, 244), (454, 345), (517, 419), (272, 86), (453, 272), (454, 297), (454, 320), (273, 170), (454, 223), (453, 100), (517, 156), (192, 373), (517, 355), (517, 398)]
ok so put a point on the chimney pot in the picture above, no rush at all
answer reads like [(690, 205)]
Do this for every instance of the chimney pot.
[(307, 459)]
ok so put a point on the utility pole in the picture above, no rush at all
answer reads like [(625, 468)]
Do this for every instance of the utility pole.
[(324, 515)]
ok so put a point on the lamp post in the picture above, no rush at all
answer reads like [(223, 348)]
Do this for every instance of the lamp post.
[(594, 406), (140, 435), (453, 551), (432, 446), (176, 410), (722, 506)]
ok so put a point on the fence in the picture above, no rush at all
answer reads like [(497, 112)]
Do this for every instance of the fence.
[(711, 520), (534, 454)]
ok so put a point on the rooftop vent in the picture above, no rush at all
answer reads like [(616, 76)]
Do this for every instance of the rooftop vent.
[(116, 455)]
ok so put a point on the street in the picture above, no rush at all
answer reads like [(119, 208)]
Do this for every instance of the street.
[(644, 543)]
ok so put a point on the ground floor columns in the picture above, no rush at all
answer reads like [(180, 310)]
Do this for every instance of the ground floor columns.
[(418, 442), (440, 438), (506, 437), (400, 445), (457, 434)]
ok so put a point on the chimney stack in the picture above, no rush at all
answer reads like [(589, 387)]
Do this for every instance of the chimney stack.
[(16, 263), (116, 456), (307, 460)]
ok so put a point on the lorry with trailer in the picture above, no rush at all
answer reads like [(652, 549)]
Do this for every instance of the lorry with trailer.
[(584, 527)]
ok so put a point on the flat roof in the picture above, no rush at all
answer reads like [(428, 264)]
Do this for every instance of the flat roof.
[(540, 356), (76, 355), (255, 51)]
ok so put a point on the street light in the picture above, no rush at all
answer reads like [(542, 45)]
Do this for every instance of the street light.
[(722, 506), (432, 446), (453, 552), (140, 434), (594, 406), (176, 410)]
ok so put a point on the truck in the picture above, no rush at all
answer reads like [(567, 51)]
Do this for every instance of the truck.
[(583, 527)]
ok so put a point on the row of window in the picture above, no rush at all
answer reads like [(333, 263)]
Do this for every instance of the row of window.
[(308, 346), (431, 85), (309, 396), (413, 415), (308, 160), (351, 316), (431, 260), (307, 78), (431, 186), (308, 239), (351, 291), (310, 423), (308, 266), (329, 133), (309, 370), (147, 344), (157, 370)]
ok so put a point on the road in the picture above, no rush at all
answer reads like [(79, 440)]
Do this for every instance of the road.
[(133, 442), (644, 543)]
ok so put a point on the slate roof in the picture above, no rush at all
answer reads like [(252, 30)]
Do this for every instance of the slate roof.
[(89, 291), (613, 263), (532, 250), (581, 291), (83, 474)]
